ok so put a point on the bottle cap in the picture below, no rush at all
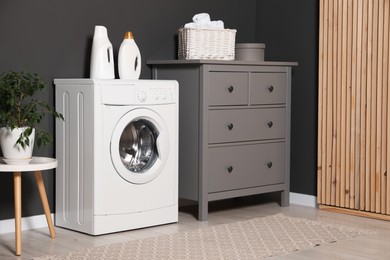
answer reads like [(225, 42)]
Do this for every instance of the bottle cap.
[(129, 35), (100, 31)]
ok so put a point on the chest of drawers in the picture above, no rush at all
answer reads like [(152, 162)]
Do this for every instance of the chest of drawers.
[(234, 128)]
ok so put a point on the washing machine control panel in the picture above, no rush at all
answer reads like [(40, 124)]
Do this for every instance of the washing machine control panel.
[(154, 95)]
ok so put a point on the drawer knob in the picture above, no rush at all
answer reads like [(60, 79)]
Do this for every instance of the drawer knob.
[(230, 169), (230, 126), (230, 89), (271, 88), (269, 165), (270, 124)]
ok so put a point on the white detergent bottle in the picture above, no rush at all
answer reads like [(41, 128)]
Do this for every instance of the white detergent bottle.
[(102, 58), (129, 58)]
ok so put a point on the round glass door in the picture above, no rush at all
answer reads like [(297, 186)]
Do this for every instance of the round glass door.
[(137, 146), (140, 145)]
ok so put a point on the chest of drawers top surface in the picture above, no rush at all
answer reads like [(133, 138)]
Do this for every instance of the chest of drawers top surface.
[(222, 62)]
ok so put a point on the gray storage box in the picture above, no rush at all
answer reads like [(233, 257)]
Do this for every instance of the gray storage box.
[(250, 51)]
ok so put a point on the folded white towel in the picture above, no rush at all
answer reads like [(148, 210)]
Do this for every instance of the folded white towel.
[(217, 24), (201, 18), (212, 24), (202, 21)]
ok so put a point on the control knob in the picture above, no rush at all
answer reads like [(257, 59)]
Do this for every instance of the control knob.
[(141, 96)]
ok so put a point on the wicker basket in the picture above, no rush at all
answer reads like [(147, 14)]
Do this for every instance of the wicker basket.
[(208, 44)]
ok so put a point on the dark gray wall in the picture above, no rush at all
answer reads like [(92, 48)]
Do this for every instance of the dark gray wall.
[(53, 38), (290, 31)]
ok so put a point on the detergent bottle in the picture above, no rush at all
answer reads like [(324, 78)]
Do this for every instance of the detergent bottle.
[(129, 58), (102, 58)]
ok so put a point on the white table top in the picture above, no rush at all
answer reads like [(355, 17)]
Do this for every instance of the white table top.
[(36, 164)]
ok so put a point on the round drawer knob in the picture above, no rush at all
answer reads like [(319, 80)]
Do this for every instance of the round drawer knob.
[(270, 124), (271, 88), (230, 126), (230, 169), (269, 165), (230, 89)]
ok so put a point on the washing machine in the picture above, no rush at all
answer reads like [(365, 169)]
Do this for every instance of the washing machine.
[(117, 152)]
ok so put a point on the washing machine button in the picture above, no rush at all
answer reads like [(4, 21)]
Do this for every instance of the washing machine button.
[(142, 96)]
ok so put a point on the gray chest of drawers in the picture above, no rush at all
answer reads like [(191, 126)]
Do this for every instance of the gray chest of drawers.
[(234, 128)]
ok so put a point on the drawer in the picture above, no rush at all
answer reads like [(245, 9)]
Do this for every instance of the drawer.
[(235, 125), (237, 167), (228, 88), (268, 88)]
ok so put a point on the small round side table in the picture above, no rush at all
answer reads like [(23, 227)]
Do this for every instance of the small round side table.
[(36, 165)]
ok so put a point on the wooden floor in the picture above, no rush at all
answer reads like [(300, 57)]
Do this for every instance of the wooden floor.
[(38, 242)]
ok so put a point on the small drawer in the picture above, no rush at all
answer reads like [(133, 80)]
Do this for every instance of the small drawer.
[(268, 88), (228, 88), (236, 125), (237, 167)]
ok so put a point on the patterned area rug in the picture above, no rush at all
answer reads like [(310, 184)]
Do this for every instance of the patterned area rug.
[(250, 239)]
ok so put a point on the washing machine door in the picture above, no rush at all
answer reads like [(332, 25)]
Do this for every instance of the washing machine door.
[(140, 146)]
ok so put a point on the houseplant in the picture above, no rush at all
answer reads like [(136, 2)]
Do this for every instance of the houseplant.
[(20, 111)]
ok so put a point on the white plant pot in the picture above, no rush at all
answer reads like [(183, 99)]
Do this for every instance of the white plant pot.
[(14, 153)]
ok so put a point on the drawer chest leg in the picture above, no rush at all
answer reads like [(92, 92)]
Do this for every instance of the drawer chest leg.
[(203, 210), (285, 198)]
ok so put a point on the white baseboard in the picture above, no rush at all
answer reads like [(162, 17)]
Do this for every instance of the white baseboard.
[(39, 221), (303, 199)]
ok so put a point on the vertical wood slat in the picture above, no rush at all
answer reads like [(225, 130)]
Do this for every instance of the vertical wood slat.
[(385, 65), (324, 82), (329, 89), (339, 104), (374, 105), (368, 112), (343, 103), (352, 158), (363, 109), (334, 105), (349, 110), (378, 166), (353, 106), (359, 21), (387, 210), (320, 106)]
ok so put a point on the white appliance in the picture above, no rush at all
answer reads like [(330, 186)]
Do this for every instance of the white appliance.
[(117, 153)]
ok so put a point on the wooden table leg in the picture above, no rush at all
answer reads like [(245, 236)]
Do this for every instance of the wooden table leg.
[(18, 212), (45, 203)]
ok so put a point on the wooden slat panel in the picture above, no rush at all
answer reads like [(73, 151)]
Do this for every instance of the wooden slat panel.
[(353, 105)]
